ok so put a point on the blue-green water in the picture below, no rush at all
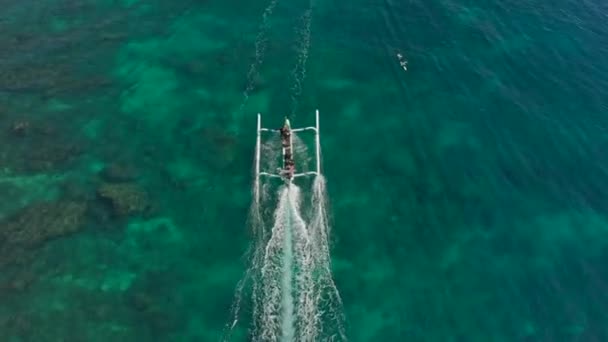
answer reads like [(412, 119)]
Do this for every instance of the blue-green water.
[(468, 194)]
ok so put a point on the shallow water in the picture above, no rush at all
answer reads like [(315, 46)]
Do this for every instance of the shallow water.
[(468, 193)]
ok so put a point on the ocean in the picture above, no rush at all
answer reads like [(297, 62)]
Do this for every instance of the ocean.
[(464, 151)]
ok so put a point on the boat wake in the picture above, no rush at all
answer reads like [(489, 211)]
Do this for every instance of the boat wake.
[(288, 283), (302, 48), (261, 43)]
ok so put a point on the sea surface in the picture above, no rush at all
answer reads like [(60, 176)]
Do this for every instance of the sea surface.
[(464, 143)]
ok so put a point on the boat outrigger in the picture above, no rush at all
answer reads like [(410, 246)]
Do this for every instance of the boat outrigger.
[(288, 171)]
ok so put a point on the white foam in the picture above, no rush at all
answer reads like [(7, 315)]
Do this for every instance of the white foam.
[(293, 295), (303, 46), (261, 43)]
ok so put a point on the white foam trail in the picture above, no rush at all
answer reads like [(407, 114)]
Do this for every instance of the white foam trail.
[(293, 294), (277, 270), (303, 46), (261, 43), (327, 300), (287, 324), (254, 255)]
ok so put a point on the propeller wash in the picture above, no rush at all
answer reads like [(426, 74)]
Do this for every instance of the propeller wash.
[(288, 284)]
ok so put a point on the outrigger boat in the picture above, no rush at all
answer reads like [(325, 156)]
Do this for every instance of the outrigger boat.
[(288, 171)]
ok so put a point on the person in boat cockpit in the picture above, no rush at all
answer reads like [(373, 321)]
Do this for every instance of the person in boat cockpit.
[(285, 135)]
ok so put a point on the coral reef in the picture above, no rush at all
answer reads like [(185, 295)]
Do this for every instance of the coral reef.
[(40, 222), (125, 198), (24, 232)]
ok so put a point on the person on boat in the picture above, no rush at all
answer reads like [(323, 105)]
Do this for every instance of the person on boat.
[(402, 61), (285, 135), (289, 168)]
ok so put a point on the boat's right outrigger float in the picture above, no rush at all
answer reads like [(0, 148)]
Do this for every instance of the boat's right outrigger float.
[(288, 171)]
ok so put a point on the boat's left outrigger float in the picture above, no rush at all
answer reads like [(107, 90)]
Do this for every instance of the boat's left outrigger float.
[(288, 171)]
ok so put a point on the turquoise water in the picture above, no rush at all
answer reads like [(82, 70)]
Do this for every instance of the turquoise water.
[(468, 194)]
